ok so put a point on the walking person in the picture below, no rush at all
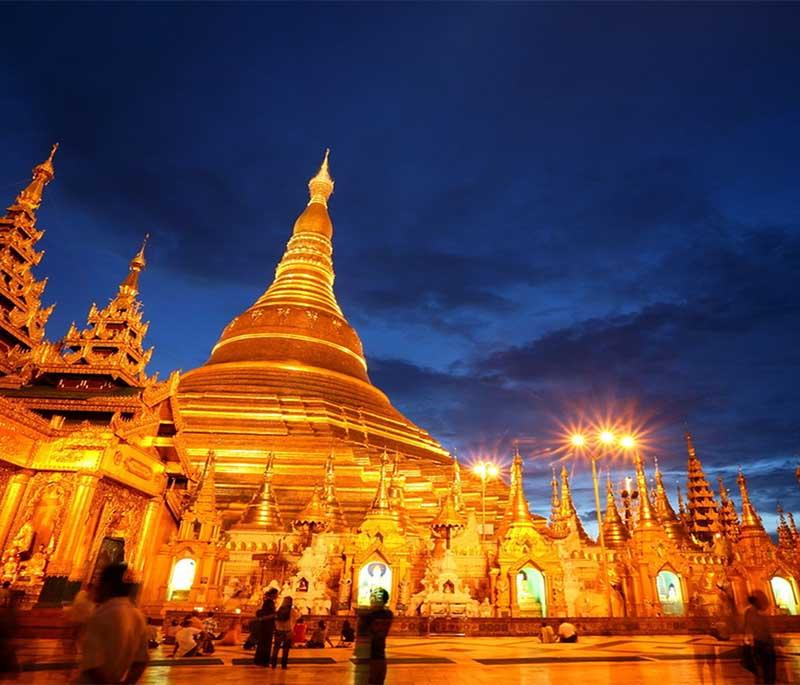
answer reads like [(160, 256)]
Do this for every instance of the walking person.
[(376, 625), (114, 648), (758, 638), (265, 629), (285, 619)]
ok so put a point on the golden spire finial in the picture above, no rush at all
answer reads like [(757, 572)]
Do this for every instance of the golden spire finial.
[(320, 187), (130, 286), (333, 510), (615, 532), (750, 519), (647, 518), (31, 197), (382, 501)]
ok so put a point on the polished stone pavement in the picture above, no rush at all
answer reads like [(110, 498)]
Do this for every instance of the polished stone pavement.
[(456, 660)]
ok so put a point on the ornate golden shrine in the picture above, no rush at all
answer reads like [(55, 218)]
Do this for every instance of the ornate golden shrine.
[(278, 462)]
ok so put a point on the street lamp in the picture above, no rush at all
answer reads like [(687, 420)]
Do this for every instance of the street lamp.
[(606, 440), (485, 470)]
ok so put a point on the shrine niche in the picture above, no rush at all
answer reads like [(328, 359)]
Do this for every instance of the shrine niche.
[(670, 593), (531, 593), (375, 574), (784, 595), (182, 578)]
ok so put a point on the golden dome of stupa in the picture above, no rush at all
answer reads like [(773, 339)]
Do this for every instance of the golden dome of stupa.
[(289, 376)]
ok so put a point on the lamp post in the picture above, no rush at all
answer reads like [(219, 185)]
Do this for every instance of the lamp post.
[(605, 440), (485, 470)]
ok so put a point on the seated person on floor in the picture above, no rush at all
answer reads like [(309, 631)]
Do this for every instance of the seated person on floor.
[(348, 635), (567, 632), (299, 633), (319, 637), (185, 640)]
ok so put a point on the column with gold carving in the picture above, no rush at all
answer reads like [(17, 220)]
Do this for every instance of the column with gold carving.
[(57, 586), (12, 498), (145, 541)]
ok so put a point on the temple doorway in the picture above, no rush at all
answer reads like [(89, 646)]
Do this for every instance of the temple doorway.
[(182, 579), (670, 593), (112, 551), (783, 592), (531, 596), (374, 574)]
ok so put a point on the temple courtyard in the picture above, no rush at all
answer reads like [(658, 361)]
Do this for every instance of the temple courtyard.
[(455, 660)]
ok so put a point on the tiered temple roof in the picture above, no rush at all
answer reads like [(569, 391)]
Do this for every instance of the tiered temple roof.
[(22, 317), (702, 508)]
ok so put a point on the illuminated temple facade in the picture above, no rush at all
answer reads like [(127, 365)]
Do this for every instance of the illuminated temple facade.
[(278, 462)]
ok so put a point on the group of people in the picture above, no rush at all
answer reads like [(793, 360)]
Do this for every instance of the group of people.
[(275, 630)]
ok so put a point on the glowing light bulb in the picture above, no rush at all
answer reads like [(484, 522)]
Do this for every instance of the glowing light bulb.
[(492, 470), (577, 440), (606, 437), (628, 442)]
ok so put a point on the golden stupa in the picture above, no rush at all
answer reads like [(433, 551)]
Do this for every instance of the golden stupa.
[(289, 376)]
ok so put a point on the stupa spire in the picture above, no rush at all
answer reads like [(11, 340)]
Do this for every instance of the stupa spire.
[(702, 508), (458, 498), (784, 533), (615, 532), (729, 519), (751, 521), (112, 342), (647, 517), (320, 187), (666, 514), (793, 528), (381, 502), (333, 510), (263, 512), (30, 198), (204, 498), (569, 514), (517, 512)]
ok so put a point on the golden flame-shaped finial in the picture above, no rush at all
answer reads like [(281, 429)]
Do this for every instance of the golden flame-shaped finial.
[(750, 519), (130, 286), (31, 197), (320, 187)]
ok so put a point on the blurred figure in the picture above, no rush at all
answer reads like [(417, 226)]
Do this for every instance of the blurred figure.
[(210, 626), (567, 632), (114, 648), (376, 625), (348, 635), (9, 665), (285, 619), (171, 631), (758, 638), (5, 595), (80, 610), (233, 635), (299, 632)]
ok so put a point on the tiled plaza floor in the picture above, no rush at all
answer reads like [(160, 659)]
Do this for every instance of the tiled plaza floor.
[(457, 660)]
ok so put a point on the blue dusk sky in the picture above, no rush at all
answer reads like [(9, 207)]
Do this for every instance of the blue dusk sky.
[(543, 212)]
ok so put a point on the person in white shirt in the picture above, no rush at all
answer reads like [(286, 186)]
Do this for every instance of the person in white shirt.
[(567, 632), (114, 648), (186, 640)]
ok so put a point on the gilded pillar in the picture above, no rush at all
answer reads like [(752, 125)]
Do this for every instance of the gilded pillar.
[(149, 525), (12, 498), (74, 525)]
